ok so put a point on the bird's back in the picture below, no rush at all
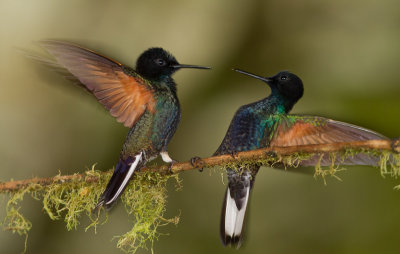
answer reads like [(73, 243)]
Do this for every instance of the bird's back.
[(250, 128)]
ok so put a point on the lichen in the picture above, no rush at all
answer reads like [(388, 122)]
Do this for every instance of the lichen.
[(389, 164), (387, 161), (270, 160), (144, 200), (14, 220), (145, 197), (330, 170)]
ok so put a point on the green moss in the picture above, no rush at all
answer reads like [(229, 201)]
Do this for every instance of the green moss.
[(144, 199), (330, 170), (14, 220), (293, 160), (388, 162), (71, 200)]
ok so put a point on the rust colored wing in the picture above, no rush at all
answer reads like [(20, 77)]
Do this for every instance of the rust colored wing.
[(295, 130), (119, 88)]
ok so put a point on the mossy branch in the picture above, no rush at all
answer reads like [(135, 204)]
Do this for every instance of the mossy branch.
[(222, 160), (71, 196)]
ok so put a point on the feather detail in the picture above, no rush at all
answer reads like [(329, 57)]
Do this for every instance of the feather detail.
[(119, 88), (122, 174), (292, 130), (234, 207)]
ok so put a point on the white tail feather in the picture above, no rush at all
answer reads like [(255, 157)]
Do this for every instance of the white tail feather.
[(234, 217), (127, 177)]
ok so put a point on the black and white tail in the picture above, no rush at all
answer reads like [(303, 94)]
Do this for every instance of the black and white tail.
[(235, 206), (122, 174)]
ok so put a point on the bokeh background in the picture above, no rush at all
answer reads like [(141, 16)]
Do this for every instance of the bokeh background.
[(346, 52)]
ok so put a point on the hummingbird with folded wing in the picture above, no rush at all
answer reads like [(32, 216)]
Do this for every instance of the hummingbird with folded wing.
[(266, 123)]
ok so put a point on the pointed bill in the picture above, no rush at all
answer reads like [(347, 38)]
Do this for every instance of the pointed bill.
[(265, 79), (179, 66)]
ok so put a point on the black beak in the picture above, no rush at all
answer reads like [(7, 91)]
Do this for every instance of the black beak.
[(179, 66), (265, 79)]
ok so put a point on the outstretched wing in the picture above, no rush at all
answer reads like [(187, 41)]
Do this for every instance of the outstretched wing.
[(295, 130), (119, 88)]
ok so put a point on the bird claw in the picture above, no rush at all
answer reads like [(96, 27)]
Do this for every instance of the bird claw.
[(396, 145), (171, 164), (271, 154), (234, 154), (197, 163)]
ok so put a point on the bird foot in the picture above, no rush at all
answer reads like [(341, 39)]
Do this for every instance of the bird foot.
[(271, 154), (234, 154), (396, 145), (171, 164), (197, 163)]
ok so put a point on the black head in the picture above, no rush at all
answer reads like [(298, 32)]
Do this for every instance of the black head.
[(287, 84), (157, 62)]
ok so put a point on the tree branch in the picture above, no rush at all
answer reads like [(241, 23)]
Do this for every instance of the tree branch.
[(222, 160)]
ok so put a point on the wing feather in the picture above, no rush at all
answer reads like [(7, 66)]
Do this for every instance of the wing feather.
[(126, 96), (308, 130)]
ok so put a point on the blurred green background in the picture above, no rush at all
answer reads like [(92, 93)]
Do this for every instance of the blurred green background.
[(346, 52)]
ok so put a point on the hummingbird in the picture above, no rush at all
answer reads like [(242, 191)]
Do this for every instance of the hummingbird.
[(143, 99), (266, 123)]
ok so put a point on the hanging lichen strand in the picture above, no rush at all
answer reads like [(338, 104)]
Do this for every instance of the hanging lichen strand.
[(70, 197), (144, 200)]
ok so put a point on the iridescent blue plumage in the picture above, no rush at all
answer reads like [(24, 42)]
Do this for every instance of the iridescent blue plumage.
[(267, 123), (250, 129)]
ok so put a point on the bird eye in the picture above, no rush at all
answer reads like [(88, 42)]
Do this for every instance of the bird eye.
[(160, 62), (283, 78)]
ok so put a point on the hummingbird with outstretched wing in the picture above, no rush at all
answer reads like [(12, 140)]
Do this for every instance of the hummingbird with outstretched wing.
[(266, 123), (143, 99)]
